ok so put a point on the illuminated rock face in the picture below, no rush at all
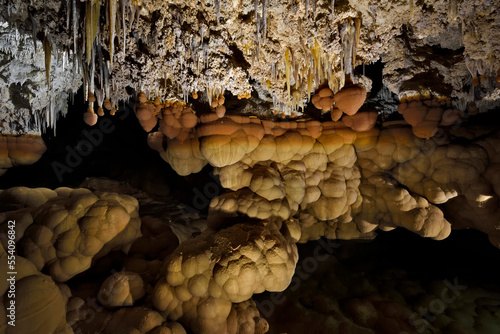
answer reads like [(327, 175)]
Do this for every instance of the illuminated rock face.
[(209, 278), (338, 182), (345, 184), (62, 230), (39, 303), (19, 150)]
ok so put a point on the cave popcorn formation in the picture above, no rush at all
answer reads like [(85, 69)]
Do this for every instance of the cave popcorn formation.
[(271, 95)]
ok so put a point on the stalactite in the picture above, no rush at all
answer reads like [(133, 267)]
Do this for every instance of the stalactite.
[(470, 64), (357, 22), (217, 9), (209, 94), (481, 67), (101, 66), (68, 13), (47, 49), (206, 51), (185, 93), (348, 38), (75, 26), (294, 69), (137, 14), (315, 51), (91, 25), (53, 116), (112, 28), (33, 31), (287, 71), (37, 121), (131, 15), (453, 13), (124, 26), (310, 77), (46, 120), (264, 18), (92, 72), (107, 90), (118, 22), (352, 46), (257, 22), (99, 95)]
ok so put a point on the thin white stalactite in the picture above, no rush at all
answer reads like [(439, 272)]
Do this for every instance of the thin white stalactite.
[(106, 80), (53, 115), (99, 95), (185, 93), (85, 82), (92, 71)]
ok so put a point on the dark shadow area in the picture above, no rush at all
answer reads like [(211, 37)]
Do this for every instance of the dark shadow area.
[(116, 147)]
